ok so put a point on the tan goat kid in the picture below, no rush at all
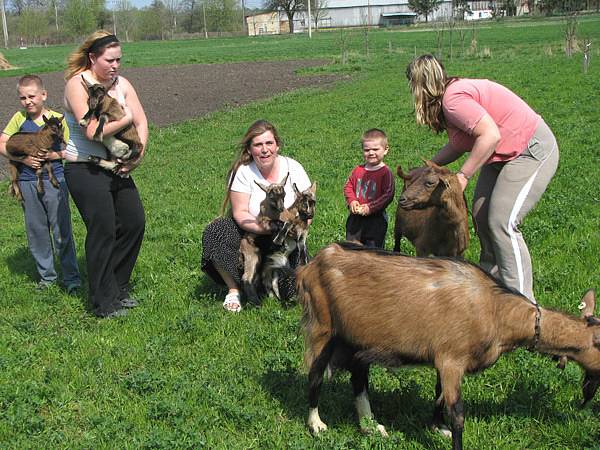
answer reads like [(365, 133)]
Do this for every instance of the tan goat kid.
[(432, 213), (446, 313), (125, 144), (250, 254), (21, 145)]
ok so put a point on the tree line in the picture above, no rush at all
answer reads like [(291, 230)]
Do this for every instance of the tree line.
[(44, 22)]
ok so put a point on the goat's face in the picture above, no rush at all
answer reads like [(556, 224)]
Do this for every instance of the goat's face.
[(591, 362), (424, 187), (306, 201), (96, 94), (54, 124), (275, 196)]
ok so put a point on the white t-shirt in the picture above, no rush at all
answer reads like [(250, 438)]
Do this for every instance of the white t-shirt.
[(246, 175)]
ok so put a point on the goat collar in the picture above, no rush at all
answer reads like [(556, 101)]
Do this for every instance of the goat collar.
[(537, 327)]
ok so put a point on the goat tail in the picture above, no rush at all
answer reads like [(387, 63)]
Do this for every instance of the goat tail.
[(316, 321)]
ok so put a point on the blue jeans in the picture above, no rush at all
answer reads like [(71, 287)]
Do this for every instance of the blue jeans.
[(48, 225)]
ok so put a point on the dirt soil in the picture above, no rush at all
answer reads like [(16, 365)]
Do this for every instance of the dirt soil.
[(172, 94)]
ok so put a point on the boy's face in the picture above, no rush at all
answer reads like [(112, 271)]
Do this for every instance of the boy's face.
[(32, 98), (374, 150)]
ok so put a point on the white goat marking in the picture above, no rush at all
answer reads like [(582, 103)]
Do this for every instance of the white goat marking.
[(315, 424)]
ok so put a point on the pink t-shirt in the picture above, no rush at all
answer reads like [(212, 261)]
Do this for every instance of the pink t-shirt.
[(466, 101)]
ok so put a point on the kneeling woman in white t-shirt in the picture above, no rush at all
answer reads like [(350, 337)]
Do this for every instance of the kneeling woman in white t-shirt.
[(258, 160)]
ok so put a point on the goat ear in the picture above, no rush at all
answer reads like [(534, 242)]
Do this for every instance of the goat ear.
[(44, 118), (296, 190), (285, 179), (85, 82), (313, 187), (588, 303), (260, 185), (401, 174), (431, 164)]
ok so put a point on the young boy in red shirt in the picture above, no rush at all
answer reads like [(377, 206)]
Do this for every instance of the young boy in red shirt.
[(369, 190)]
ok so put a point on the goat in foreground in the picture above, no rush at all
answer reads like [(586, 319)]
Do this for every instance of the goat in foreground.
[(290, 237), (270, 209), (125, 144), (446, 313), (432, 213), (20, 145)]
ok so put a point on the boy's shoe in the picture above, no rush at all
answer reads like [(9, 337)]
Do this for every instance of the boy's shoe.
[(74, 289), (43, 285)]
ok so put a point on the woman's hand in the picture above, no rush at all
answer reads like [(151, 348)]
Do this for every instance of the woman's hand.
[(35, 161)]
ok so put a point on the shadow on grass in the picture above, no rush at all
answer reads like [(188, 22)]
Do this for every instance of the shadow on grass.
[(22, 263), (408, 410)]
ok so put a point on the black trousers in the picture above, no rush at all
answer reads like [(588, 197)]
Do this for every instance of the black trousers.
[(368, 230), (112, 211)]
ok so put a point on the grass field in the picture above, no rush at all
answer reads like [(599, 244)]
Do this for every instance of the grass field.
[(179, 372)]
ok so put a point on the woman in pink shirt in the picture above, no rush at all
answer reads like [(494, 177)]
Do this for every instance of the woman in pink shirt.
[(510, 145)]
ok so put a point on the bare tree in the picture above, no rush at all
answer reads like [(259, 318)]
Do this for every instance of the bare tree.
[(318, 9), (290, 7)]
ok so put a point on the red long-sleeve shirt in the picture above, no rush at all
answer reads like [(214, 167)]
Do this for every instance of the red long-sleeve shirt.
[(374, 188)]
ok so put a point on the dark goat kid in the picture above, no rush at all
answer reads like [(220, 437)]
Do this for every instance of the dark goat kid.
[(250, 254), (126, 143), (291, 236), (432, 213), (21, 145), (441, 312)]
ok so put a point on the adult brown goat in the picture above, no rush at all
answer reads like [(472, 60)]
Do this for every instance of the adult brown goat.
[(442, 312), (432, 213), (20, 145), (125, 144)]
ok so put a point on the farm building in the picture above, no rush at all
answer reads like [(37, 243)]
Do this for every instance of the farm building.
[(352, 13)]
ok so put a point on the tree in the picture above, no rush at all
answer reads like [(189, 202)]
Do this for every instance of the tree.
[(32, 25), (79, 19), (318, 9), (424, 7), (125, 18), (291, 7)]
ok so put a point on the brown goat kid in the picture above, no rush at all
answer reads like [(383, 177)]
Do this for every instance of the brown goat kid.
[(442, 312), (21, 145), (292, 236), (125, 144), (432, 213), (270, 209)]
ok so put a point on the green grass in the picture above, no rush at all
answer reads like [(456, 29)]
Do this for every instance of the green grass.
[(179, 372)]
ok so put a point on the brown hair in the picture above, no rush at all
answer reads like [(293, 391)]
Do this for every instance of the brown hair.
[(375, 133), (428, 82), (244, 156), (79, 60), (28, 80)]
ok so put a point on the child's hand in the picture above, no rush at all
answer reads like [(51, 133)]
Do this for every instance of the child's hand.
[(34, 162), (355, 207), (364, 210)]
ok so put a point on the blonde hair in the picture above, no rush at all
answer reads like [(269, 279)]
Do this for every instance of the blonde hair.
[(244, 156), (375, 133), (28, 80), (79, 60), (428, 82)]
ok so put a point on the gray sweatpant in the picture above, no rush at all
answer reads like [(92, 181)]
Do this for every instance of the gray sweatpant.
[(48, 225), (504, 194)]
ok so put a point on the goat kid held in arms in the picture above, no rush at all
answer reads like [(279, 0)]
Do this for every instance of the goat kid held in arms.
[(446, 313), (250, 254), (432, 213)]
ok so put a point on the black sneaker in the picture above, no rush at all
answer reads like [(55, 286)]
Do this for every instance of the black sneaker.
[(113, 314), (74, 289), (128, 302)]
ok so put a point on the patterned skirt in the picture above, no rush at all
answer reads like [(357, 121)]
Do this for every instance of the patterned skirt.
[(221, 248)]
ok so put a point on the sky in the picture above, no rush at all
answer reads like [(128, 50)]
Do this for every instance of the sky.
[(247, 3)]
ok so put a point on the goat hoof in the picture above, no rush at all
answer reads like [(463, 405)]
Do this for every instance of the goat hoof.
[(442, 430), (317, 427)]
